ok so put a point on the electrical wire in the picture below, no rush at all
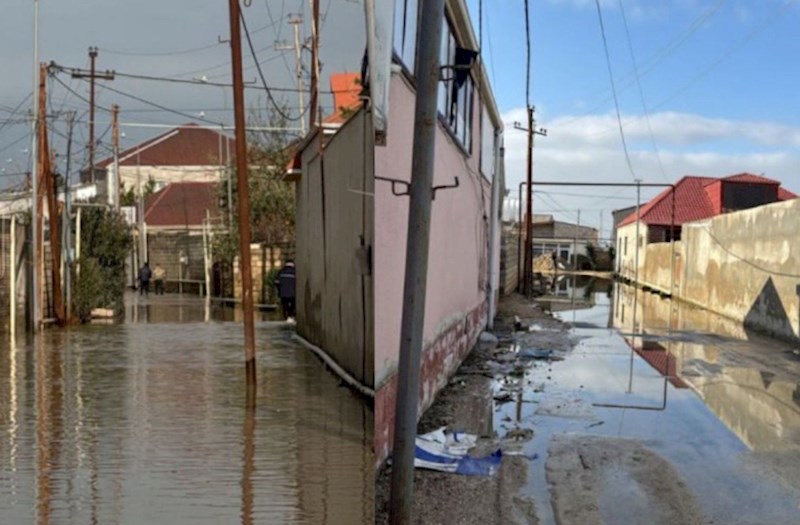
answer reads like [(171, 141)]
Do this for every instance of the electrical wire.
[(641, 92), (163, 108), (275, 105), (745, 260), (14, 111), (528, 60), (614, 89)]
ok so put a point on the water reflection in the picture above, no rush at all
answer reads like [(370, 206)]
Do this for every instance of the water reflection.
[(144, 423), (750, 382)]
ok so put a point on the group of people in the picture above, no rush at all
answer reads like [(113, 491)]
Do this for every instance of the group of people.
[(157, 274), (284, 282)]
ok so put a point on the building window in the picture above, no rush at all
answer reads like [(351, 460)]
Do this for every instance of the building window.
[(625, 251), (455, 102), (405, 32)]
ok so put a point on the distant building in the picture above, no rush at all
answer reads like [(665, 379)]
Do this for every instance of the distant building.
[(188, 153), (692, 199), (564, 239)]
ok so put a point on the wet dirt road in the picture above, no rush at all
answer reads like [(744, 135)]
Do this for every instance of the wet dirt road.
[(658, 414), (143, 422)]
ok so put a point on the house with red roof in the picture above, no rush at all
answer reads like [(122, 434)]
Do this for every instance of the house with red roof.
[(693, 198), (187, 153)]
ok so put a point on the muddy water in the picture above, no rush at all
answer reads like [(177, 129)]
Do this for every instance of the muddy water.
[(143, 422), (720, 404)]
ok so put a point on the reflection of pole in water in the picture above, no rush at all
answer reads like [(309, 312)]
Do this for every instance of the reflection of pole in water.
[(248, 430), (519, 405)]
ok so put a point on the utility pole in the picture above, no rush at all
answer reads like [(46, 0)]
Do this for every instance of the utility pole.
[(113, 187), (296, 21), (243, 203), (575, 242), (428, 74), (33, 314), (67, 222), (92, 76), (313, 114), (46, 174), (527, 286)]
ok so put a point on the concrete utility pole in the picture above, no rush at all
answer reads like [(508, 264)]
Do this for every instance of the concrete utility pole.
[(34, 314), (314, 103), (113, 186), (296, 21), (68, 223), (92, 76), (243, 203), (527, 286), (428, 74)]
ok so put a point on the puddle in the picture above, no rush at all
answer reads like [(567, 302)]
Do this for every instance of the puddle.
[(720, 405)]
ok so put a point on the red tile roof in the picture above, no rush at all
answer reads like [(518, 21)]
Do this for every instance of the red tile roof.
[(751, 178), (182, 204), (187, 145), (692, 203)]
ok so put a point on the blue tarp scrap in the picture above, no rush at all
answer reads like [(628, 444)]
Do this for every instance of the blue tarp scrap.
[(448, 452)]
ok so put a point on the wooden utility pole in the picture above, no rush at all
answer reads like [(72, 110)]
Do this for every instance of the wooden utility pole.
[(243, 202), (92, 76), (314, 103), (527, 271), (47, 178)]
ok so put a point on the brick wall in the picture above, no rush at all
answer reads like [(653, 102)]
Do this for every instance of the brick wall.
[(440, 360)]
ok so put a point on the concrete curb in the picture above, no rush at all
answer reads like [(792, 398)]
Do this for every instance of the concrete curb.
[(338, 370)]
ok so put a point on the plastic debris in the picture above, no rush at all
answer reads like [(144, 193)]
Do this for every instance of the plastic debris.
[(535, 353), (448, 452)]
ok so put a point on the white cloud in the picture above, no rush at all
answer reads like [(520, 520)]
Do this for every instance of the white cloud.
[(589, 149)]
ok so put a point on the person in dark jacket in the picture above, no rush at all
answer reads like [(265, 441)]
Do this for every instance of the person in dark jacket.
[(144, 279), (285, 284)]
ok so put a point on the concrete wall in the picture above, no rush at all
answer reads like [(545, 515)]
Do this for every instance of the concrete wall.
[(334, 241), (743, 265), (455, 308), (509, 259), (746, 265)]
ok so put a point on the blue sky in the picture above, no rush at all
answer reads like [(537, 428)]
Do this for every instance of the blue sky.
[(719, 77)]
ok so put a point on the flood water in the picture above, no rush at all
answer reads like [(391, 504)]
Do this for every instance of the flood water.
[(144, 422), (718, 402)]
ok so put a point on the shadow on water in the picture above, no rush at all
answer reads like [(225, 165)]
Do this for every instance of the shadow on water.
[(144, 422), (720, 405)]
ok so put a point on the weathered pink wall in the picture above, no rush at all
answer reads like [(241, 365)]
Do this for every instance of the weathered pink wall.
[(458, 265)]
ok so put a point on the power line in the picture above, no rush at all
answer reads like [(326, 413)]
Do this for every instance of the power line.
[(14, 111), (276, 106), (641, 92), (159, 106), (659, 56), (613, 88), (528, 61), (196, 82)]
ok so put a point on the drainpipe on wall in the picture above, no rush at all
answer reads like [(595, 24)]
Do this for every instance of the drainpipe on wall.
[(494, 226)]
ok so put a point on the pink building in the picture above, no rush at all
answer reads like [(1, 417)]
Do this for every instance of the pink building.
[(352, 223)]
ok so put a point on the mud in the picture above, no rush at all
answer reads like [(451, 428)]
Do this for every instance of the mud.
[(589, 474)]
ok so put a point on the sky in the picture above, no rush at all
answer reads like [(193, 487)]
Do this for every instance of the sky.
[(158, 38), (718, 79)]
